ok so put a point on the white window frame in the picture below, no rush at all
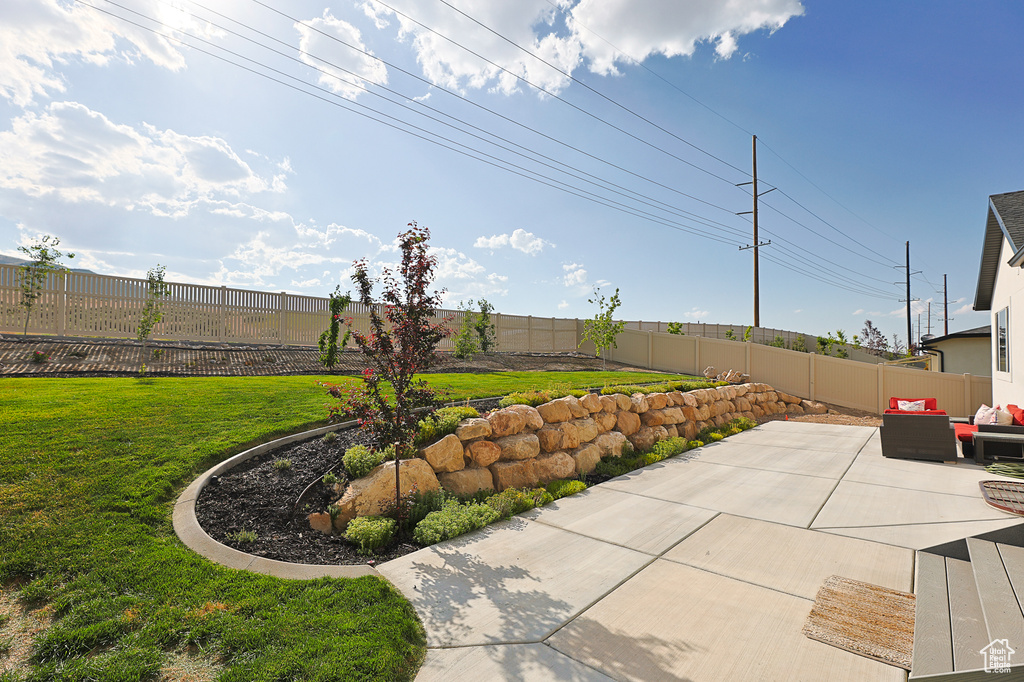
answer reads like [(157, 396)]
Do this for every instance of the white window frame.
[(1002, 340)]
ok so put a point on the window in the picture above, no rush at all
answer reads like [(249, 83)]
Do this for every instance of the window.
[(1002, 341)]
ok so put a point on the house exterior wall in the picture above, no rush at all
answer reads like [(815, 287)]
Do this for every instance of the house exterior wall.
[(1008, 387), (966, 356)]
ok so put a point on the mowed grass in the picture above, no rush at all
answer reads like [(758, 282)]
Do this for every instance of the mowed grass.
[(89, 471)]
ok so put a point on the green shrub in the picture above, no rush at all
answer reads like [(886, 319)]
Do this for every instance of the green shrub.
[(742, 423), (282, 464), (514, 501), (539, 396), (330, 437), (452, 520), (370, 532), (696, 444), (617, 466), (360, 460), (716, 436), (667, 387), (653, 458), (420, 503), (329, 479), (670, 447), (442, 422), (564, 488)]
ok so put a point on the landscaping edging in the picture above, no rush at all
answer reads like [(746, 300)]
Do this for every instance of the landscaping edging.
[(188, 530)]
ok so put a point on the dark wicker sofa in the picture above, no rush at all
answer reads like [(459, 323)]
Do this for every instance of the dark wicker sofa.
[(910, 435)]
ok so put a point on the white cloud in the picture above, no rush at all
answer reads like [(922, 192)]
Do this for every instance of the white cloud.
[(520, 240), (342, 69), (568, 38), (72, 153), (563, 305), (526, 23), (859, 311), (696, 314), (966, 308), (575, 275), (798, 310), (38, 36)]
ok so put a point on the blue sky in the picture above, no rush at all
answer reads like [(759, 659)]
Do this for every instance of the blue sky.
[(878, 123)]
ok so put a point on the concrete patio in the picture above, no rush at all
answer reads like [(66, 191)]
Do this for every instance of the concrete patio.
[(701, 569)]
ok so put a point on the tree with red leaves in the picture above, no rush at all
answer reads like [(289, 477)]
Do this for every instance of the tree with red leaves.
[(402, 341)]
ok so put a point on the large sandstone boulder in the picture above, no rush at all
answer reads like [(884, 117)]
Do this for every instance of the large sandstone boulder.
[(689, 400), (657, 401), (467, 481), (471, 429), (638, 403), (586, 458), (575, 406), (647, 436), (652, 418), (813, 407), (555, 412), (675, 398), (445, 454), (623, 401), (375, 492), (605, 421), (554, 466), (529, 414), (522, 474), (610, 444), (592, 402), (688, 430), (672, 415), (627, 423), (704, 412), (505, 423), (518, 447), (587, 429), (672, 430), (608, 404), (483, 453)]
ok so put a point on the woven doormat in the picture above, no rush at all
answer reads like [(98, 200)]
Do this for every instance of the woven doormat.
[(864, 619)]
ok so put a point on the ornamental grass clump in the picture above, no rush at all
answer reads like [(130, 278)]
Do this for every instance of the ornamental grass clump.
[(452, 520), (538, 397), (563, 488), (371, 533)]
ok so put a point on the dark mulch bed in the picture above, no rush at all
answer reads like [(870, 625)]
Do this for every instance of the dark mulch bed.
[(259, 496)]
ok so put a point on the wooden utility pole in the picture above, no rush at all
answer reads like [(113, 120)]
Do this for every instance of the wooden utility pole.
[(909, 324), (945, 308), (756, 244)]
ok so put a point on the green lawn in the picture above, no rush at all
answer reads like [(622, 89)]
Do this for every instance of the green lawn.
[(89, 472)]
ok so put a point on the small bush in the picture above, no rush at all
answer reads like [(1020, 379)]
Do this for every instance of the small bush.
[(564, 488), (442, 422), (371, 533), (330, 437), (618, 466), (329, 479), (742, 423), (282, 464), (416, 505), (514, 501), (716, 436), (668, 387), (39, 357), (360, 460), (243, 537), (670, 447), (696, 444), (453, 520)]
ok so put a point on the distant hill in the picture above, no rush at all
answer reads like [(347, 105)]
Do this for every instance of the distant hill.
[(8, 260)]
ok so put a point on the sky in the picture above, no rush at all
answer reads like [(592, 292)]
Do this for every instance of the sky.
[(552, 147)]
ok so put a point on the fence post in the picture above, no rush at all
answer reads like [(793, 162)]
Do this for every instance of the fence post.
[(281, 327), (62, 305), (650, 350), (810, 376), (553, 348), (968, 407), (882, 404), (746, 368), (529, 333), (696, 354), (222, 327)]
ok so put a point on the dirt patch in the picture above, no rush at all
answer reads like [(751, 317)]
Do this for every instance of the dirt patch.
[(19, 628)]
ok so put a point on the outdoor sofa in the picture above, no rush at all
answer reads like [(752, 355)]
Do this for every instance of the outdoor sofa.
[(925, 434), (988, 443)]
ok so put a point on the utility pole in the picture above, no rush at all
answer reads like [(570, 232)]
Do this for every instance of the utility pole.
[(929, 318), (910, 324), (945, 308), (756, 245)]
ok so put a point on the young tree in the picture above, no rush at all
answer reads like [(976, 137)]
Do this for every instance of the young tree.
[(602, 330), (151, 312), (328, 343), (484, 327), (44, 258), (748, 333), (400, 343), (466, 339), (873, 340), (676, 328)]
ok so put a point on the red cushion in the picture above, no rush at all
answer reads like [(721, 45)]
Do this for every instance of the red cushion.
[(929, 403), (940, 412), (965, 432), (1018, 414)]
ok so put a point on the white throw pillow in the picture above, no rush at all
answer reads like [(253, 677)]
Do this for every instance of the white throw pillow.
[(984, 415), (1002, 417), (910, 405)]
